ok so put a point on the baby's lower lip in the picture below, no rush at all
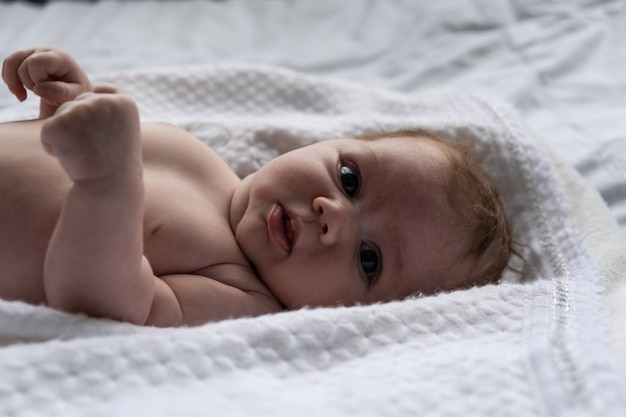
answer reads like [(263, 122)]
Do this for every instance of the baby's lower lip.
[(277, 229)]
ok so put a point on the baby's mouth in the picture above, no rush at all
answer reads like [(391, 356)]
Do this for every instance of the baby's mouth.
[(289, 233), (281, 228)]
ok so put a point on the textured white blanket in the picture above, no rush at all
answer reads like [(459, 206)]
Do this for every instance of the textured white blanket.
[(537, 347)]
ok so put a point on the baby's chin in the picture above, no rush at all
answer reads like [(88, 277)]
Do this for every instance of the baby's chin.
[(287, 299), (260, 273)]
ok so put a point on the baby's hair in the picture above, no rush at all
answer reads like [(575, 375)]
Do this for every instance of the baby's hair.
[(480, 208)]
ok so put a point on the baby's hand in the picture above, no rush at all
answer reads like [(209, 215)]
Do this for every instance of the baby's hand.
[(51, 73), (95, 136)]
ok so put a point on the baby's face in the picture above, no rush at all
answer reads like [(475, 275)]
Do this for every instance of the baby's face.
[(349, 221)]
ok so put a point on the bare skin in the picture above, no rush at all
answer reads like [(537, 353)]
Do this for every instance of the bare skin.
[(81, 217), (143, 223)]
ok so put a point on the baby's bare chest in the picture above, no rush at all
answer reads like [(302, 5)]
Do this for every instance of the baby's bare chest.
[(187, 202), (186, 227)]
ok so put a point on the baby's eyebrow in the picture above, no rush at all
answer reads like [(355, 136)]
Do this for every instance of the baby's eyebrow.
[(395, 244), (368, 164), (373, 162), (398, 257)]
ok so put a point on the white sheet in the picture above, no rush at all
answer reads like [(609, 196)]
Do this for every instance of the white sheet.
[(546, 340)]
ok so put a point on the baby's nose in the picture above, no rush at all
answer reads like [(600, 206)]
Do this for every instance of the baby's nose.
[(334, 219)]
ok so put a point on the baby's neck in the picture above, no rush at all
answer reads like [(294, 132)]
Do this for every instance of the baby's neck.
[(239, 203)]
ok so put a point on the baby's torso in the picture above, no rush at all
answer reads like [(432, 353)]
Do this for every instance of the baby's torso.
[(187, 201)]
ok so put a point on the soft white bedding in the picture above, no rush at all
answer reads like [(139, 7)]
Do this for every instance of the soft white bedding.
[(543, 347)]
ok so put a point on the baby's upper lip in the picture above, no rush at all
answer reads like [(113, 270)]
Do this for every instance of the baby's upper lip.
[(283, 227)]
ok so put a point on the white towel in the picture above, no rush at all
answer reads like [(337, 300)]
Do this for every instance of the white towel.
[(537, 347)]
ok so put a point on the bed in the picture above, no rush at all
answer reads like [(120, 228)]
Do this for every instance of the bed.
[(540, 88)]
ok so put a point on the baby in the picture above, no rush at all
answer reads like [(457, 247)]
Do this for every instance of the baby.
[(143, 223)]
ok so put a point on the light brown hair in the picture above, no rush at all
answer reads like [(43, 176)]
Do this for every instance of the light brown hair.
[(478, 205)]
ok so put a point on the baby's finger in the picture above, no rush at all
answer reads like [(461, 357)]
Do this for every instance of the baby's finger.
[(10, 72), (106, 88), (24, 75), (43, 66), (57, 92)]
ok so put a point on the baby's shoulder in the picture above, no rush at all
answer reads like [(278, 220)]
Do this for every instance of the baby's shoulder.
[(166, 137), (170, 149)]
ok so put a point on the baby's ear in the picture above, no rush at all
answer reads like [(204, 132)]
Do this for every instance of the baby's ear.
[(490, 265), (473, 271)]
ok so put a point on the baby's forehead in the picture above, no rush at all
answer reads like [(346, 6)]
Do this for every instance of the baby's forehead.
[(416, 160), (409, 176)]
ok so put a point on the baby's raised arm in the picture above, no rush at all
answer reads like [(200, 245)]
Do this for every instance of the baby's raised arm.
[(94, 263), (49, 72)]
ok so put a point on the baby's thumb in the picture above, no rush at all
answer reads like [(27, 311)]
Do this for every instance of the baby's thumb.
[(57, 92)]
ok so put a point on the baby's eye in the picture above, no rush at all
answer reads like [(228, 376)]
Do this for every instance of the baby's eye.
[(349, 178), (368, 258)]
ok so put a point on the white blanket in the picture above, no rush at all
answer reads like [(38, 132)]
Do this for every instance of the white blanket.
[(540, 346)]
